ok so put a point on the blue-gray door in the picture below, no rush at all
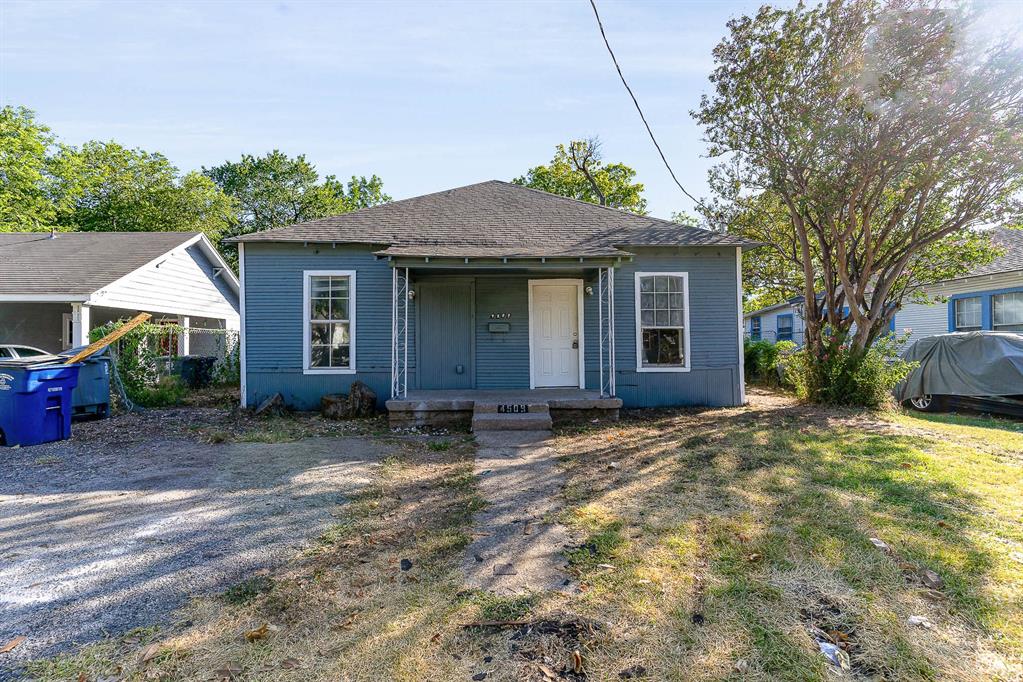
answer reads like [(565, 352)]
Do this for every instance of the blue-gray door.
[(445, 315)]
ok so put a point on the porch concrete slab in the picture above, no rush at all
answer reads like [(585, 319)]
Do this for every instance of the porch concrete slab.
[(465, 400), (517, 543)]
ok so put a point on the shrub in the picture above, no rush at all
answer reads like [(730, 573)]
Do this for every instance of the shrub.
[(761, 360), (842, 375), (168, 391)]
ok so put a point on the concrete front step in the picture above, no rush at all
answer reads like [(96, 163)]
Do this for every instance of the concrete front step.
[(493, 421)]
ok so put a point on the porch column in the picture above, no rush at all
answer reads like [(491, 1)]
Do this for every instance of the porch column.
[(400, 293), (184, 321), (606, 324), (80, 324)]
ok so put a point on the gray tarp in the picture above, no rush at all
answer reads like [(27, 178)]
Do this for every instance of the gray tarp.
[(966, 364)]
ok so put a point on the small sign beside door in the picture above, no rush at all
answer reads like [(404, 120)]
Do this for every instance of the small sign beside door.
[(515, 408)]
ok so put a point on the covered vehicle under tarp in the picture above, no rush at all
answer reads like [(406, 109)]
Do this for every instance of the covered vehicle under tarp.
[(975, 364)]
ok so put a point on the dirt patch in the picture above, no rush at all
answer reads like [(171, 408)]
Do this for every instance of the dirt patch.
[(103, 540)]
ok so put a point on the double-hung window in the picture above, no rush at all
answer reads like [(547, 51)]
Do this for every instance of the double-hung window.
[(967, 314), (329, 325), (784, 328), (1007, 312), (754, 328), (662, 321)]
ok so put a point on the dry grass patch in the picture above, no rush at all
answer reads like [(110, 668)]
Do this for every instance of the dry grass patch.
[(718, 544), (741, 538)]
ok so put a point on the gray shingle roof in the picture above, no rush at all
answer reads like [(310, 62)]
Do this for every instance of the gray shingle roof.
[(496, 219), (77, 263), (1011, 240)]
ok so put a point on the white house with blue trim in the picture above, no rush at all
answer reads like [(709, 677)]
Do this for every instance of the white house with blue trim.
[(988, 298), (493, 293)]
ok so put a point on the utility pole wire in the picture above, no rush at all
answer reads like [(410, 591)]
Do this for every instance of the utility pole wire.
[(650, 132)]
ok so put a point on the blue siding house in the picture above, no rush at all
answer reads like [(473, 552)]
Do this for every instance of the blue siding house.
[(498, 291), (987, 298)]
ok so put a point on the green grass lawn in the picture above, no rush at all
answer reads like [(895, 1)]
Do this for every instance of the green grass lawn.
[(717, 544)]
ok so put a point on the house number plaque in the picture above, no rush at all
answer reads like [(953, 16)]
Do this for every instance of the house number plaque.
[(515, 408)]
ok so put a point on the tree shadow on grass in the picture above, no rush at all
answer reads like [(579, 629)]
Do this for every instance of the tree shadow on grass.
[(781, 504)]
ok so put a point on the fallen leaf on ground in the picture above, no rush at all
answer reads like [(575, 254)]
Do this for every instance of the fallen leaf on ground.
[(290, 663), (13, 644), (577, 662), (258, 633), (149, 653), (230, 671), (548, 673), (755, 556)]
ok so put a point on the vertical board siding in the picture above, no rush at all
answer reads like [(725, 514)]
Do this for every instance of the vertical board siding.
[(274, 311), (502, 359)]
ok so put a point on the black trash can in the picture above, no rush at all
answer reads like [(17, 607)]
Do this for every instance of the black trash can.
[(197, 370)]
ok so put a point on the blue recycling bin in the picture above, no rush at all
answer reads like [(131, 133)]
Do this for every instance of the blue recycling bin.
[(35, 402), (91, 396)]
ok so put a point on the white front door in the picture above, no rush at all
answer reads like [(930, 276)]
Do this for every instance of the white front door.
[(554, 332)]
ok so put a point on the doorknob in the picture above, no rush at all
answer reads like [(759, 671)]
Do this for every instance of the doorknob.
[(575, 345)]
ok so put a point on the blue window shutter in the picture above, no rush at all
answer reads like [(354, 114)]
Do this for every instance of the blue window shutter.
[(985, 312)]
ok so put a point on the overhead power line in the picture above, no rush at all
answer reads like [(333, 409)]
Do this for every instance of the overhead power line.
[(650, 132)]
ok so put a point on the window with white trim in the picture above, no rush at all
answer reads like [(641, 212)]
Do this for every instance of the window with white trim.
[(662, 317), (1007, 312), (785, 327), (754, 328), (329, 321), (967, 314)]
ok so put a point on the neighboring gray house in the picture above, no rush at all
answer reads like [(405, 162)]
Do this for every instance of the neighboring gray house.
[(55, 288), (492, 290), (989, 297)]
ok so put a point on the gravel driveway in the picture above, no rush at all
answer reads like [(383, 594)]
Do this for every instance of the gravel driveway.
[(100, 539)]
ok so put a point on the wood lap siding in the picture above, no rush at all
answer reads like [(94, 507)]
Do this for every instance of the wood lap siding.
[(713, 335), (183, 282), (273, 326), (274, 309)]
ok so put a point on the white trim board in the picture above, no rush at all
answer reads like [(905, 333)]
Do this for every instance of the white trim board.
[(306, 324), (44, 298), (242, 364), (742, 325), (580, 286), (688, 351)]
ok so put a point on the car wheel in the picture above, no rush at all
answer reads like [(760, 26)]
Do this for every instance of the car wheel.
[(926, 403)]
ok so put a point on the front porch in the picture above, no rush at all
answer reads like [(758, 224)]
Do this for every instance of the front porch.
[(531, 406)]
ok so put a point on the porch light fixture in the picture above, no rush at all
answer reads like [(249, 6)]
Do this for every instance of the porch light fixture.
[(589, 291), (411, 294)]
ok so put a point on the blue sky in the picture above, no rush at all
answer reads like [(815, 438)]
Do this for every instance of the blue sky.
[(426, 95)]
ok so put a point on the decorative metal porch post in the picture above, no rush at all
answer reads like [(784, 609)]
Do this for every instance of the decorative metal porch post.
[(606, 307), (399, 332)]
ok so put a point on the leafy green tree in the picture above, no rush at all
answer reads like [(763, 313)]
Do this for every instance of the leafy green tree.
[(106, 187), (578, 171), (877, 137), (26, 148), (277, 190)]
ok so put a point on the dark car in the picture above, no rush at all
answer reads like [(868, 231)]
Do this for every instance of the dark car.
[(974, 370)]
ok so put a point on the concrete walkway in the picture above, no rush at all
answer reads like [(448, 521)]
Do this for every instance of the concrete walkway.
[(517, 547)]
